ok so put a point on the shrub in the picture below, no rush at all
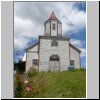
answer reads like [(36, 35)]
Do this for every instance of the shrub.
[(82, 69), (49, 71), (32, 72), (19, 87)]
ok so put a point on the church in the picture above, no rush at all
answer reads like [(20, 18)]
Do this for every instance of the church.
[(53, 51)]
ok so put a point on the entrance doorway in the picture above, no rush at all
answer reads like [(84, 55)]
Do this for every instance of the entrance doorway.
[(54, 63)]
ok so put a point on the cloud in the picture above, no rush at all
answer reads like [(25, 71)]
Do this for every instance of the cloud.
[(77, 43), (73, 19), (83, 52), (24, 30), (74, 22), (20, 43), (29, 18)]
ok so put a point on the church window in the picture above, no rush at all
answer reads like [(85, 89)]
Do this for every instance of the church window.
[(54, 43), (54, 58), (71, 62), (53, 26), (35, 62)]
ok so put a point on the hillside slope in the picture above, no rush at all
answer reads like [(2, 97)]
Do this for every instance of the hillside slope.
[(67, 84)]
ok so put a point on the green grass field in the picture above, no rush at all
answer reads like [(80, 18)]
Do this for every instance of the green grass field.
[(67, 84)]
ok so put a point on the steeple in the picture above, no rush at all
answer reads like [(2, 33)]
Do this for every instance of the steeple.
[(53, 17), (53, 27)]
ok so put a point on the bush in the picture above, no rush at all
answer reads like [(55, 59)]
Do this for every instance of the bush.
[(19, 86), (82, 69), (32, 72), (49, 71)]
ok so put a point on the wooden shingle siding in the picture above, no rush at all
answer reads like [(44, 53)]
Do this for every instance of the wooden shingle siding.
[(30, 55), (47, 30), (46, 51), (59, 29), (75, 55)]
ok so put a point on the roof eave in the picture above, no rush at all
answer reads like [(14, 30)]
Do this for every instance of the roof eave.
[(31, 46), (75, 48)]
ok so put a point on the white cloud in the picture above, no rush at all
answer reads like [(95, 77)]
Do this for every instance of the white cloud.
[(20, 43), (23, 31), (25, 28), (29, 18), (74, 21), (77, 43), (83, 52)]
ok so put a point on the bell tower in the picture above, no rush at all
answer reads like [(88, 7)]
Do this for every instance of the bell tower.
[(53, 27)]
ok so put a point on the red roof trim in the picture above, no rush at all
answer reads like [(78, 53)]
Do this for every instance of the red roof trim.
[(53, 17)]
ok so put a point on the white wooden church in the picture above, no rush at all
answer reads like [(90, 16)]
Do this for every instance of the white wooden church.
[(53, 51)]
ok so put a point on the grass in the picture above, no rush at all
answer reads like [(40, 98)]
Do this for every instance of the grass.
[(67, 84)]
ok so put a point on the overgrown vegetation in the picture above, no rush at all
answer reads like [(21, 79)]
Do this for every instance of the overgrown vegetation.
[(32, 72), (66, 84), (18, 86)]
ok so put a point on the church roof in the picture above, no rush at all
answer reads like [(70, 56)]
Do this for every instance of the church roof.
[(54, 37), (53, 16), (33, 45), (75, 48)]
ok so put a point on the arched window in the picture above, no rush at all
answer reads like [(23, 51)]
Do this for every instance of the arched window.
[(54, 58), (54, 43)]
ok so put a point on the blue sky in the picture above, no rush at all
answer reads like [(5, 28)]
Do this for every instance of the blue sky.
[(29, 18)]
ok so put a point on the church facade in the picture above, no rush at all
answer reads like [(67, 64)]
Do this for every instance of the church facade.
[(53, 51)]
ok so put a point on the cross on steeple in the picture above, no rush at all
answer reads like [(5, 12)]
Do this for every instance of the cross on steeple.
[(53, 7)]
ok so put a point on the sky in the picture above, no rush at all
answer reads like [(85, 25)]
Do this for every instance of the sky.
[(29, 18)]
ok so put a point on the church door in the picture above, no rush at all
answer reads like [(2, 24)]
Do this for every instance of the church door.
[(54, 63)]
